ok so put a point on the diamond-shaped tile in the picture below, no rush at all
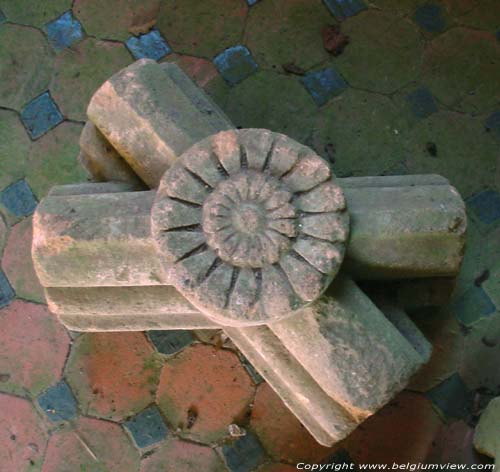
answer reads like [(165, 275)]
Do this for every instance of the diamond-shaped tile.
[(486, 206), (492, 123), (19, 199), (252, 2), (452, 397), (430, 18), (64, 31), (6, 291), (324, 84), (473, 305), (58, 402), (147, 428), (170, 342), (41, 115), (235, 64), (244, 454), (342, 9), (422, 103), (151, 45)]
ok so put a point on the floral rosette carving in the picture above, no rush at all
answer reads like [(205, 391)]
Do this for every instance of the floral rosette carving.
[(252, 226)]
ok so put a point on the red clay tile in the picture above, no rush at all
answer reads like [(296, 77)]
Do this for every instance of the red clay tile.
[(400, 432), (33, 348), (181, 456), (113, 375), (281, 433), (203, 390), (92, 445), (200, 70), (454, 445), (23, 438), (18, 265)]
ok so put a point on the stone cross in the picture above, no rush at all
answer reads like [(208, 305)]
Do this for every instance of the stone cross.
[(245, 230)]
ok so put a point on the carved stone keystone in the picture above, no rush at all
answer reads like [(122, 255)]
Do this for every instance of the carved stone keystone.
[(247, 232)]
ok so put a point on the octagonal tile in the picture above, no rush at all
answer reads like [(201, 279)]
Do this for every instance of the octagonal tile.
[(53, 159), (113, 375), (23, 438), (26, 63), (461, 69), (281, 433), (203, 390), (202, 28), (33, 348), (387, 46), (18, 265), (79, 71), (91, 445), (287, 32)]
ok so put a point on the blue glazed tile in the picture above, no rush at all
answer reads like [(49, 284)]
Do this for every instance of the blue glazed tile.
[(252, 2), (41, 115), (243, 455), (6, 291), (147, 427), (492, 124), (235, 64), (58, 402), (19, 199), (430, 18), (473, 305), (342, 9), (486, 205), (498, 35), (3, 19), (170, 342), (452, 397), (422, 103), (151, 45), (324, 84), (64, 31)]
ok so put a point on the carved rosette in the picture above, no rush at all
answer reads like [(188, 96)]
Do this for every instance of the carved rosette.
[(252, 226)]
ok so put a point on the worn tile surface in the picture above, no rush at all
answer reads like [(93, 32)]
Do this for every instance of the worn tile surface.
[(414, 90)]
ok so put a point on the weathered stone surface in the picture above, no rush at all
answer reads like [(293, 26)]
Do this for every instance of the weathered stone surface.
[(26, 63), (487, 435), (323, 417), (74, 82), (81, 240), (128, 17), (202, 28), (90, 188), (102, 161), (203, 390), (201, 71), (152, 113), (404, 232), (352, 351), (237, 219), (113, 375), (124, 309)]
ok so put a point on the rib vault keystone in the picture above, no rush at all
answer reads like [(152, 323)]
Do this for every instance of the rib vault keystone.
[(250, 232)]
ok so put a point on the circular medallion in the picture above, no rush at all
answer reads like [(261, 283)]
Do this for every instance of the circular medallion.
[(252, 226)]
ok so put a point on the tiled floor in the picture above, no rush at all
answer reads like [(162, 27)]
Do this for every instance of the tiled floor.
[(415, 90)]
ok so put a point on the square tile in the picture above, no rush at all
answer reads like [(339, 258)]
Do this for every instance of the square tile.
[(473, 305), (452, 397), (41, 115), (492, 125), (252, 2), (147, 427), (6, 291), (422, 103), (324, 84), (151, 45), (430, 18), (342, 9), (235, 64), (170, 342), (486, 206), (19, 199), (58, 402), (244, 454), (64, 31)]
